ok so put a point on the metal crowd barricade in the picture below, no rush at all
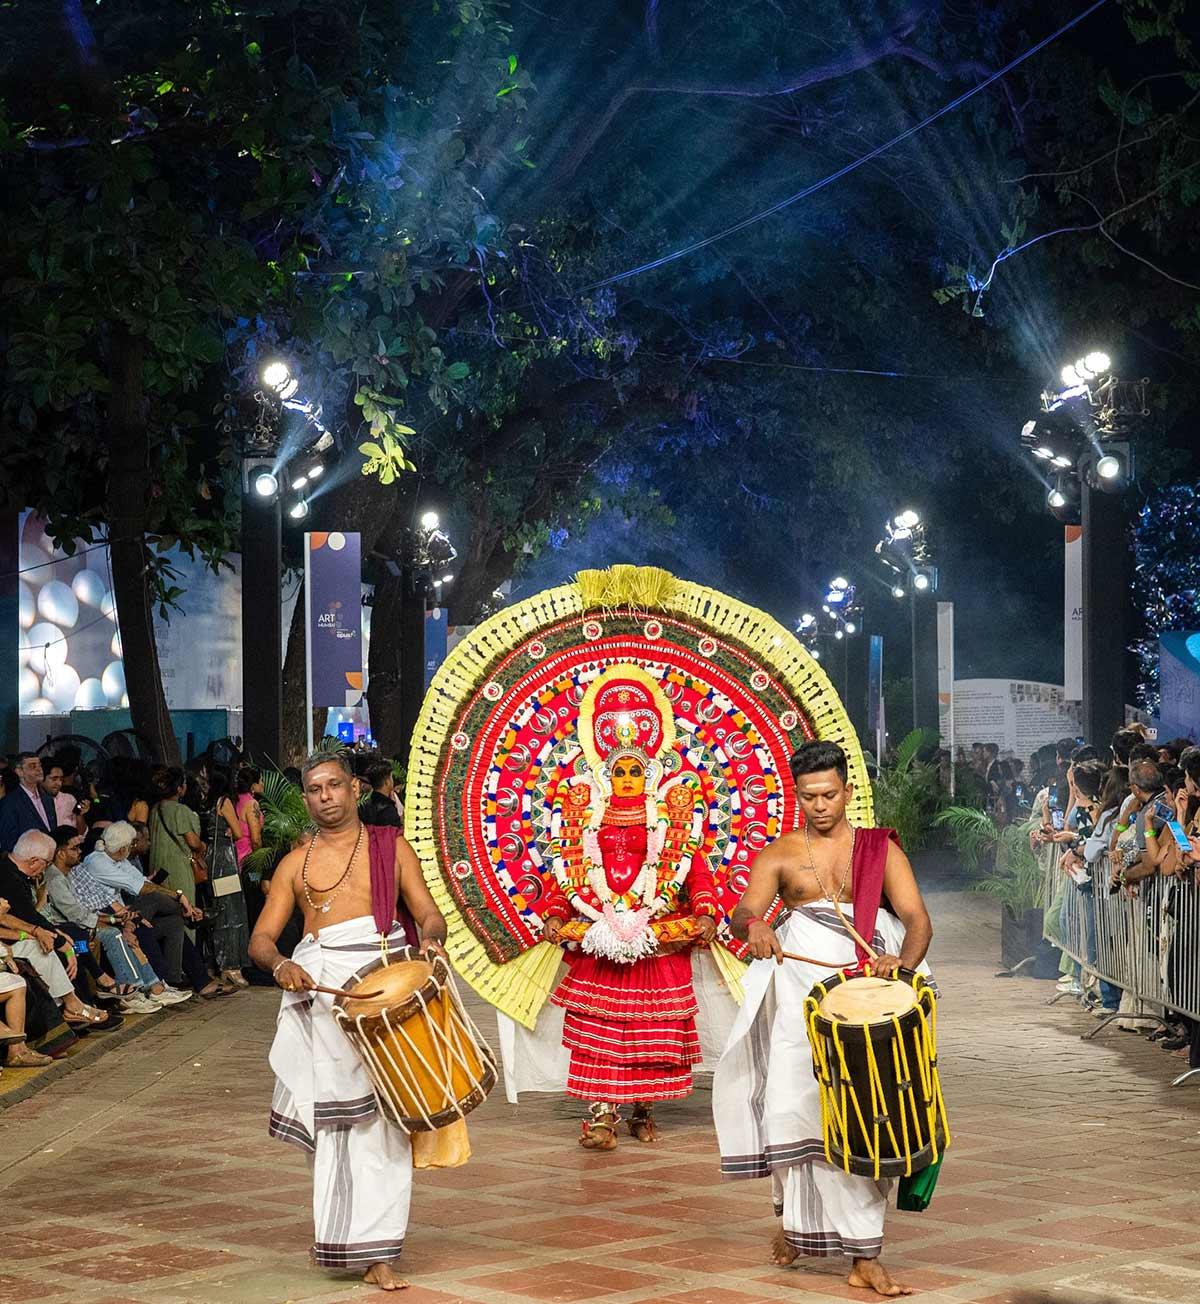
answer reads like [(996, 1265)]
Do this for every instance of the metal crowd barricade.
[(1144, 940)]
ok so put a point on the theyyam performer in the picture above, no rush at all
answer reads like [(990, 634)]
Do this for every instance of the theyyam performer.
[(627, 872), (361, 892), (766, 1099)]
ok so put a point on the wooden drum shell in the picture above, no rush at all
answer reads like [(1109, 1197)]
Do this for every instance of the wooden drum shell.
[(919, 1092), (426, 1060)]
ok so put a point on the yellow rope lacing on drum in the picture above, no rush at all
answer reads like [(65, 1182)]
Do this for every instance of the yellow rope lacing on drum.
[(834, 1113)]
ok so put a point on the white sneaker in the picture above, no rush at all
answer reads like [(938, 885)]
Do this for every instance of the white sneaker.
[(140, 1004), (170, 996), (1066, 985)]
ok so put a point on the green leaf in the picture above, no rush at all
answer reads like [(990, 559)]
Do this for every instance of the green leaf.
[(512, 64), (370, 450), (458, 371)]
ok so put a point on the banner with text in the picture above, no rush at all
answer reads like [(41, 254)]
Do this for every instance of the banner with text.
[(945, 636), (333, 598)]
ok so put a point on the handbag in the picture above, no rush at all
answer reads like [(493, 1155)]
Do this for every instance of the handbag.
[(199, 863)]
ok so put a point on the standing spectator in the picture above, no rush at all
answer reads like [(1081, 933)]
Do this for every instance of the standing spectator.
[(380, 805), (230, 927), (68, 808), (27, 807), (32, 937), (175, 844), (1123, 742), (249, 812)]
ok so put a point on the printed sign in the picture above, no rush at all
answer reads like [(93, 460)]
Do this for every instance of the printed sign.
[(333, 600)]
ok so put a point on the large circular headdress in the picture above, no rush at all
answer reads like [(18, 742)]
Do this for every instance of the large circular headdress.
[(717, 693)]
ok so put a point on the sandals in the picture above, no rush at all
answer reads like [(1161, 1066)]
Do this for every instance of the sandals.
[(600, 1133), (88, 1017), (27, 1059)]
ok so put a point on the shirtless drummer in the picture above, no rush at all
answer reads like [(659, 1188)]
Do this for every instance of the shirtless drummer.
[(361, 1164)]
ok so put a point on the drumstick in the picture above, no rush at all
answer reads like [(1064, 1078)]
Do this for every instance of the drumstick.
[(808, 959), (337, 991), (858, 937)]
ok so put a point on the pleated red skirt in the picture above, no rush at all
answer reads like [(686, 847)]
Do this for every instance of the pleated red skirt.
[(630, 1028)]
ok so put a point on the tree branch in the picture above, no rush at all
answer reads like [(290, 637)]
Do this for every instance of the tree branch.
[(857, 59)]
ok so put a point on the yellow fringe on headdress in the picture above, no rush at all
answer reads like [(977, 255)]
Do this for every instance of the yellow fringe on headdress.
[(520, 987)]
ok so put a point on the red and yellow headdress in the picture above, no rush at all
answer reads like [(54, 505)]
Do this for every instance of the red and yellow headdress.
[(625, 713)]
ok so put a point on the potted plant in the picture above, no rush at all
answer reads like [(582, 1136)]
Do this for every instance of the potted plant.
[(285, 821), (908, 791), (1011, 875)]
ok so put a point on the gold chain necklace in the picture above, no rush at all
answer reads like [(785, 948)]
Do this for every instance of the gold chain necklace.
[(333, 891), (812, 864)]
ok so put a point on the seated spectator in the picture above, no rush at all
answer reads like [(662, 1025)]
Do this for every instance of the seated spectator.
[(12, 1014), (33, 938), (165, 912), (87, 909), (380, 805)]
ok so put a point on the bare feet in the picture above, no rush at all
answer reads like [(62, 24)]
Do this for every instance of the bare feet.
[(381, 1275), (782, 1253), (872, 1275)]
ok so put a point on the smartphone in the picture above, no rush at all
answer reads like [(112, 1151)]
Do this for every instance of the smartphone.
[(81, 947), (1057, 820), (1167, 815)]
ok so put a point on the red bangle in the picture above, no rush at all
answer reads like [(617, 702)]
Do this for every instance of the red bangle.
[(754, 919)]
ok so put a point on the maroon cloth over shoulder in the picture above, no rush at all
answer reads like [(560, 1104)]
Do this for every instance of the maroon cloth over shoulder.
[(870, 858), (386, 905)]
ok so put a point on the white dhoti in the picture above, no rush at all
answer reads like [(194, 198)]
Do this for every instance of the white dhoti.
[(323, 1103), (766, 1101)]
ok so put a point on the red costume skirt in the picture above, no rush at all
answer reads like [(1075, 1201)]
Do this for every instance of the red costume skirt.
[(630, 1028)]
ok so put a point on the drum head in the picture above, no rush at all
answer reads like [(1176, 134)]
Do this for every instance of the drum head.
[(394, 983), (867, 1000)]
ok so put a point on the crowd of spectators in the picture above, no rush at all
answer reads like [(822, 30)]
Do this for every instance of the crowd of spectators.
[(134, 899), (1109, 813)]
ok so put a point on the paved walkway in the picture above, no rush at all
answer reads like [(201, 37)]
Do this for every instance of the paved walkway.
[(146, 1177)]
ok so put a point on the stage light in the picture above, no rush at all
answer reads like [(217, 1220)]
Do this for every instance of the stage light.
[(908, 520), (807, 620), (1108, 467), (1027, 429), (316, 470), (447, 579), (1098, 363), (299, 510), (1071, 378), (266, 484), (851, 627), (827, 609), (1056, 498), (299, 481), (1061, 461), (1043, 452), (325, 442), (276, 374), (840, 584), (430, 521), (838, 634), (920, 582), (897, 591), (815, 653)]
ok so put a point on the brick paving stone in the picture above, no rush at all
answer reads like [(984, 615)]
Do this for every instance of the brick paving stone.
[(1074, 1171)]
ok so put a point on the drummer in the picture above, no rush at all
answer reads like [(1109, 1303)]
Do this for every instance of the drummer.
[(766, 1102), (323, 1102)]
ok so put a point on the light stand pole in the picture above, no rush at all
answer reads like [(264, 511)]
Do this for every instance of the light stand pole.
[(262, 634), (1107, 572)]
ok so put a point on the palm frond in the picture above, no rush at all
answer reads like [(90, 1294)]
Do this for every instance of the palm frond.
[(911, 746)]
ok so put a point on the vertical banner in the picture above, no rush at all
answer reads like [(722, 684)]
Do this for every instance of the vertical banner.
[(1073, 614), (333, 624), (875, 724), (436, 633), (945, 639)]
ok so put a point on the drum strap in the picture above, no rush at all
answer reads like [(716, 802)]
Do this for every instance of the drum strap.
[(385, 906), (870, 858)]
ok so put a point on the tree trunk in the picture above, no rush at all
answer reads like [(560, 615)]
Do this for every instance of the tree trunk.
[(384, 662), (129, 490), (295, 692)]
